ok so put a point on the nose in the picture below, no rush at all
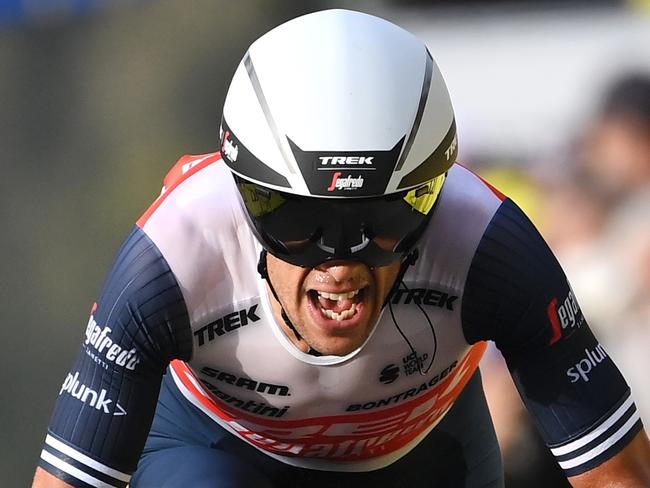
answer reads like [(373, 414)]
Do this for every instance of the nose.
[(344, 271)]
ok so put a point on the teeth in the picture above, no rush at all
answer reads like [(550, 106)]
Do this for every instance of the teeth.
[(345, 314), (337, 296)]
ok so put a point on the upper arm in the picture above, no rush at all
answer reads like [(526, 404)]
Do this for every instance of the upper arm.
[(107, 401), (518, 296)]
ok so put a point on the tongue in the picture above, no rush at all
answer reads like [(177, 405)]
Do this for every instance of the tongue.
[(334, 305)]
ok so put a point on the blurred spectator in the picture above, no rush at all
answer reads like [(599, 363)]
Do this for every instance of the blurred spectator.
[(615, 153), (613, 282), (626, 333), (596, 218)]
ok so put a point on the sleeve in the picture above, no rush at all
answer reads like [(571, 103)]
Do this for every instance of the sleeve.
[(107, 401), (517, 295)]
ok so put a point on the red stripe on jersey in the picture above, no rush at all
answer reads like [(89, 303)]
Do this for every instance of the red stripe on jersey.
[(345, 437), (500, 195), (494, 190), (182, 170)]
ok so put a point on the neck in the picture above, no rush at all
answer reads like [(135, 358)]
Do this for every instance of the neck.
[(281, 318)]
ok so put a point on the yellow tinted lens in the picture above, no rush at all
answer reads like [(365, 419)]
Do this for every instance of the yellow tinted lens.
[(424, 197), (260, 201)]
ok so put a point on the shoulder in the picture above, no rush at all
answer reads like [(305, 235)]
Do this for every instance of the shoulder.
[(467, 205), (463, 212), (200, 228), (180, 175), (198, 198)]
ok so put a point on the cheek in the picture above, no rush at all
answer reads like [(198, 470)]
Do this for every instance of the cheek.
[(386, 276), (287, 279)]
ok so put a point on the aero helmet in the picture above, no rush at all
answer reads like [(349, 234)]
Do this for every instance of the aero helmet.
[(339, 131)]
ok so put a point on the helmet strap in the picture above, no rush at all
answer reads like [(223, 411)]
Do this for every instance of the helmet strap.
[(410, 259), (262, 269)]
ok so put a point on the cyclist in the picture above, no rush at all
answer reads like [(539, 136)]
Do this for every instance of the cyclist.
[(352, 357)]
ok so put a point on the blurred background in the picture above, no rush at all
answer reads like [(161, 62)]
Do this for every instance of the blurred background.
[(98, 98)]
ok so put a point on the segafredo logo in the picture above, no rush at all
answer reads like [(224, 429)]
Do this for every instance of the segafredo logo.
[(105, 349), (565, 315), (229, 149), (348, 183), (585, 366), (94, 399)]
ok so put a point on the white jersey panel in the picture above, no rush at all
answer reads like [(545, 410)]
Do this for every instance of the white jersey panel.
[(203, 234), (357, 413)]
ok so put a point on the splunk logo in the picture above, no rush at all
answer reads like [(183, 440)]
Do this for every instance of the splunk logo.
[(104, 349), (93, 398), (585, 366)]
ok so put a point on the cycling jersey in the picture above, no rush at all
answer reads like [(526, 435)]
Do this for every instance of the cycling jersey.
[(184, 292)]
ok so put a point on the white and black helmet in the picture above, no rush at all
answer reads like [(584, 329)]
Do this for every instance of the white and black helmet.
[(339, 130)]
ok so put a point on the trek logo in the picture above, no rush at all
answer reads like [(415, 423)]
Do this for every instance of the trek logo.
[(229, 149), (582, 368), (452, 147), (424, 296), (346, 160), (348, 183), (227, 323), (389, 374), (565, 316), (105, 349), (95, 400), (246, 383)]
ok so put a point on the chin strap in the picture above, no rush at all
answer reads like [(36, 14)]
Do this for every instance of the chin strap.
[(264, 273), (410, 259), (262, 269)]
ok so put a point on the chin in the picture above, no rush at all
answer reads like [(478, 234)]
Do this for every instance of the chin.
[(339, 346)]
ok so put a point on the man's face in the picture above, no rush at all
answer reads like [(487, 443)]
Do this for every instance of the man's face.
[(333, 306)]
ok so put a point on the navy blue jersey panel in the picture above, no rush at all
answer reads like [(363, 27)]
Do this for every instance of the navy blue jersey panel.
[(512, 268), (107, 401), (517, 295)]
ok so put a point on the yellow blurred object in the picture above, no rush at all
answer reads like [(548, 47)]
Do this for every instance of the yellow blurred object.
[(643, 5), (517, 186)]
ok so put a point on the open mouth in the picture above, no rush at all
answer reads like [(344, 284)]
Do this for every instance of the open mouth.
[(337, 306)]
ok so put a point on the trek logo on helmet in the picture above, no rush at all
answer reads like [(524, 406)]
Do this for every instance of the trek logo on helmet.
[(365, 172), (346, 161), (451, 150)]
